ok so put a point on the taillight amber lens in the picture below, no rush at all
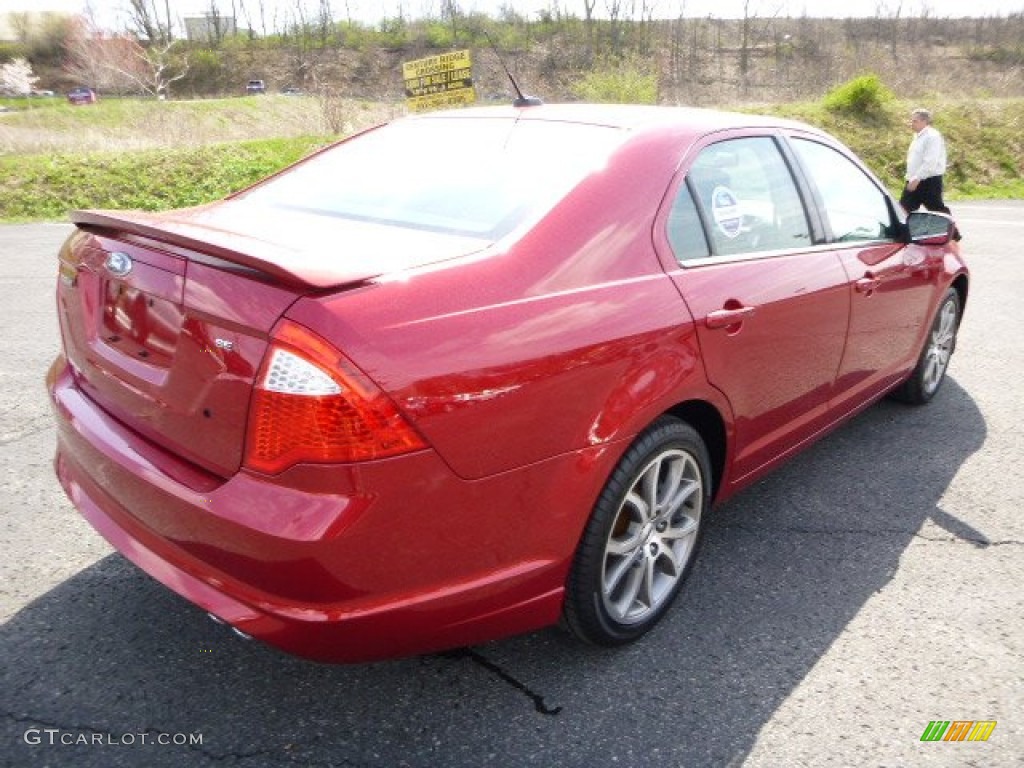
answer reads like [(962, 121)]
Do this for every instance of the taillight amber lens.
[(311, 404)]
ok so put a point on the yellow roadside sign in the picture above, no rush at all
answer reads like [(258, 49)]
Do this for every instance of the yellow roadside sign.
[(445, 80)]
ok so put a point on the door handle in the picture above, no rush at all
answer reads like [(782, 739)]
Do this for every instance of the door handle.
[(723, 318), (867, 284), (923, 270)]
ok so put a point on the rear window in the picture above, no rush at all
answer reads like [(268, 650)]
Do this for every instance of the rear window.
[(480, 177)]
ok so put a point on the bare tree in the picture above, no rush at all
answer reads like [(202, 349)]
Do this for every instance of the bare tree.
[(263, 16), (121, 62), (588, 20), (250, 29), (894, 35), (145, 21), (751, 36), (648, 10), (158, 69), (102, 62), (41, 35), (303, 49), (219, 26), (677, 43), (745, 38), (450, 13), (325, 20), (614, 8), (83, 53), (21, 25), (167, 19), (333, 108)]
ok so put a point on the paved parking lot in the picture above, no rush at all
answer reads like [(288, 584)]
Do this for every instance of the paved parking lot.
[(874, 584)]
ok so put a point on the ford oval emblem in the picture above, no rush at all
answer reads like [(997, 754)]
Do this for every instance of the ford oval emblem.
[(118, 264)]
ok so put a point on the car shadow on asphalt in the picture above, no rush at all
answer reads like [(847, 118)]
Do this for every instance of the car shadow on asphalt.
[(785, 567)]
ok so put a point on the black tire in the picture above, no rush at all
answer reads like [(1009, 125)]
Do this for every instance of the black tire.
[(930, 371), (634, 556)]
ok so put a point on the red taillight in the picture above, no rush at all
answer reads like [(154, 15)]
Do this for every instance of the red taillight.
[(311, 404)]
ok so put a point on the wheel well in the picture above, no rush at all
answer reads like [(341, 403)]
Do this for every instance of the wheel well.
[(960, 286), (706, 419)]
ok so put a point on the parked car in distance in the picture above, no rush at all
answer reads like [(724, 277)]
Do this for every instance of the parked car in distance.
[(473, 373), (255, 87), (291, 90), (82, 95), (41, 93)]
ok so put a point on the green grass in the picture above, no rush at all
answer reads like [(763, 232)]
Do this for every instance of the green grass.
[(110, 109), (619, 82), (53, 125), (25, 103), (48, 186)]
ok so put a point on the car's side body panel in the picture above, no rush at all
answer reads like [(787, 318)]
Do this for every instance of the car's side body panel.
[(891, 291), (777, 366), (569, 337), (830, 347), (777, 363)]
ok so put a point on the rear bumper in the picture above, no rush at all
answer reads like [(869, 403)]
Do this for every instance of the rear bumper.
[(341, 564)]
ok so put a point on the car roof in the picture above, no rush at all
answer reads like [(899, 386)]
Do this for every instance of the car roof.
[(630, 117)]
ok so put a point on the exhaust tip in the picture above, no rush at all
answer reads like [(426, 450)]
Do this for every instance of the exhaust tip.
[(218, 620), (236, 630)]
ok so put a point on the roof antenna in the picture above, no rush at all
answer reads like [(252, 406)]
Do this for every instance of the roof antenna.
[(522, 100)]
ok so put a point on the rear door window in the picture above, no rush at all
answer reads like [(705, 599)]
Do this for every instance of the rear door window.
[(685, 231), (744, 194)]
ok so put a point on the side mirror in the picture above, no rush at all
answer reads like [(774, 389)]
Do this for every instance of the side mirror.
[(927, 228)]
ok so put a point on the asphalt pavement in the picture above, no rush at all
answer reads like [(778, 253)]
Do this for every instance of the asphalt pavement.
[(871, 586)]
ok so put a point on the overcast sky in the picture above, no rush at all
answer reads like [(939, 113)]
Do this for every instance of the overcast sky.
[(109, 11)]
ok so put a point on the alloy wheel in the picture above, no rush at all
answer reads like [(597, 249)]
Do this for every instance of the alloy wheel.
[(653, 537)]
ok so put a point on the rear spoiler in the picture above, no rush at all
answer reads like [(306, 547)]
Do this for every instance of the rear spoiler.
[(281, 264)]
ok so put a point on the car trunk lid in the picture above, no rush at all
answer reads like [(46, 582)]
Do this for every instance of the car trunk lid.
[(167, 345), (166, 318)]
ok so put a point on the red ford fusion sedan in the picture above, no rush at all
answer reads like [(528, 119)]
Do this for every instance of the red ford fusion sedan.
[(473, 373)]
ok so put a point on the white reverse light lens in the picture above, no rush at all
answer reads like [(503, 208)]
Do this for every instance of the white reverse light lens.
[(291, 375)]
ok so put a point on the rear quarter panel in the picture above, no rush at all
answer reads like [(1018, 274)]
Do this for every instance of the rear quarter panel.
[(568, 336)]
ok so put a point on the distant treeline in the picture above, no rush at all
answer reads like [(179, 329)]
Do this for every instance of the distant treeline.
[(685, 60)]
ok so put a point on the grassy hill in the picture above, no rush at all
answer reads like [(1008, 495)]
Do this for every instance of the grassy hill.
[(985, 139)]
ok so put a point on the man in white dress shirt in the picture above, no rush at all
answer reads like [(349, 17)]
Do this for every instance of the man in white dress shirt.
[(926, 162)]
